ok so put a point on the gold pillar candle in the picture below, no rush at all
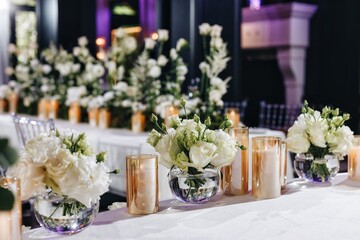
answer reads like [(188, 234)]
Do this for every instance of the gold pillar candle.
[(74, 113), (354, 160), (2, 105), (266, 164), (233, 115), (138, 122), (104, 118), (54, 109), (11, 221), (170, 111), (235, 176), (13, 102), (93, 117), (142, 190)]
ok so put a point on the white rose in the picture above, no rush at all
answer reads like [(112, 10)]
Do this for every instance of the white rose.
[(76, 51), (108, 96), (154, 72), (217, 42), (317, 129), (31, 177), (297, 143), (201, 154), (120, 73), (162, 60), (181, 70), (204, 29), (215, 95), (121, 86), (75, 68), (46, 68), (215, 31), (111, 66), (42, 147), (163, 35), (173, 54), (168, 148), (181, 43), (204, 67), (226, 149), (130, 44), (82, 41), (57, 165), (149, 43), (340, 141), (151, 62)]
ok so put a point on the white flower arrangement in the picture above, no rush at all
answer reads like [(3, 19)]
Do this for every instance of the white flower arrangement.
[(320, 133), (62, 162)]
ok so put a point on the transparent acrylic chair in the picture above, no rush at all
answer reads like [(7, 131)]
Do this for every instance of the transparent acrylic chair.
[(28, 128)]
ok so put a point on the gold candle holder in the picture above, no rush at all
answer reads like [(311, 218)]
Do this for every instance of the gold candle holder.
[(2, 105), (43, 108), (93, 117), (142, 190), (234, 115), (11, 221), (54, 109), (266, 165), (13, 99), (354, 160), (170, 111), (104, 118), (138, 122), (74, 113), (235, 176)]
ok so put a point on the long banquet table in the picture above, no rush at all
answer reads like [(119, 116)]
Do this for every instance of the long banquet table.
[(120, 142), (304, 211)]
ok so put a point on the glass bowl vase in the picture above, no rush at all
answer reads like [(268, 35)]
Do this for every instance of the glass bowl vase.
[(194, 188)]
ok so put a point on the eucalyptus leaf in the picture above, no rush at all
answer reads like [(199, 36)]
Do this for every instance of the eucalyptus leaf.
[(7, 199)]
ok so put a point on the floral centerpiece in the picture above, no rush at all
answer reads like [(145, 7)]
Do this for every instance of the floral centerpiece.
[(67, 178), (317, 136), (193, 153)]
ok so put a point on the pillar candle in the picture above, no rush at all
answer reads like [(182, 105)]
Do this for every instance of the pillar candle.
[(138, 122), (354, 163), (74, 113), (13, 102), (104, 118), (170, 111), (2, 105), (43, 108), (54, 109), (93, 117)]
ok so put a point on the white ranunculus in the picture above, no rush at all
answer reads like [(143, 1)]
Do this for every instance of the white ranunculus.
[(162, 60), (154, 72), (201, 154), (180, 44), (216, 31), (31, 177), (226, 149), (168, 148), (163, 35), (149, 43), (340, 140), (204, 29), (82, 41)]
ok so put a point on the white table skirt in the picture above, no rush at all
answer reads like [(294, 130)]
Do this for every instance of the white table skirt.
[(121, 142), (304, 211)]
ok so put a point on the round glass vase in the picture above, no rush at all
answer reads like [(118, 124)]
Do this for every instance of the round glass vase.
[(63, 215), (194, 188), (316, 169)]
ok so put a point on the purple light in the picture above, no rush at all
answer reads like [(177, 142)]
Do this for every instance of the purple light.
[(103, 20), (254, 4), (147, 16)]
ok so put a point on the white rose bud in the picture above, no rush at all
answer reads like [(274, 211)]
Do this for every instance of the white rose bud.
[(181, 43), (216, 31), (149, 43), (154, 72), (201, 154), (162, 61), (82, 41), (163, 35), (204, 29), (120, 33)]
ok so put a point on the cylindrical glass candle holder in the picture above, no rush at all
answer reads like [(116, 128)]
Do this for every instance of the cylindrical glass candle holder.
[(93, 117), (43, 108), (235, 176), (74, 113), (138, 122), (354, 160), (13, 102), (266, 165), (234, 115), (54, 108), (170, 111), (142, 190), (11, 221), (2, 105), (104, 118), (283, 165)]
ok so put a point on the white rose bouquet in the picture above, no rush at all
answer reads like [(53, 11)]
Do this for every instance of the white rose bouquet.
[(62, 163), (191, 146), (318, 134)]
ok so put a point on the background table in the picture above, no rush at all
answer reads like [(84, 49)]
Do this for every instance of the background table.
[(304, 211), (120, 142)]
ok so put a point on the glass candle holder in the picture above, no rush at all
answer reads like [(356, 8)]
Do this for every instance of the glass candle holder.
[(170, 111), (74, 113), (13, 99), (2, 105), (138, 122), (104, 118), (54, 109), (44, 108), (354, 160), (142, 190), (235, 176), (11, 221), (234, 115), (93, 117), (266, 167)]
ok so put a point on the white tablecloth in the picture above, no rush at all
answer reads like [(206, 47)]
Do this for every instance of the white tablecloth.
[(305, 211), (121, 142)]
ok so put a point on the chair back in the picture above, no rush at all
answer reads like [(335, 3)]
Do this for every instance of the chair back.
[(241, 106), (278, 116), (27, 128)]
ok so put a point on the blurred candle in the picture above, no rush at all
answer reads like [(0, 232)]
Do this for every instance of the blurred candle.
[(354, 160), (104, 118), (54, 108), (43, 108), (2, 105), (13, 102), (138, 122), (170, 111), (74, 113), (233, 115), (93, 117)]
